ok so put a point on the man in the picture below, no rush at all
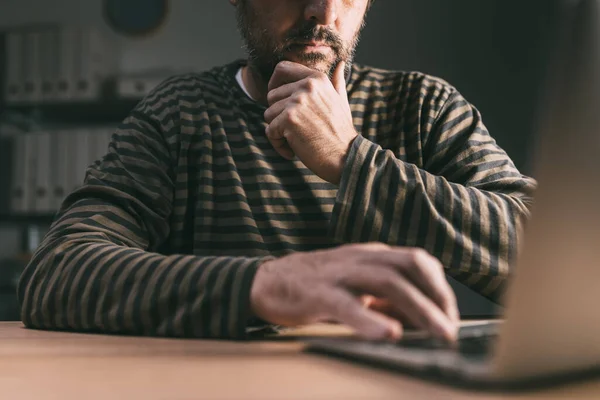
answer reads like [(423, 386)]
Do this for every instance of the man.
[(246, 195)]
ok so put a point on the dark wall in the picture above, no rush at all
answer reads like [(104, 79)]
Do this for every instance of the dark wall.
[(493, 51)]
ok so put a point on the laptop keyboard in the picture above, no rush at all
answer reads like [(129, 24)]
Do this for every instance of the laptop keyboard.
[(472, 341), (476, 346)]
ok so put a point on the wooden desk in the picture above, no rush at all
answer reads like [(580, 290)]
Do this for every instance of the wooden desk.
[(54, 365)]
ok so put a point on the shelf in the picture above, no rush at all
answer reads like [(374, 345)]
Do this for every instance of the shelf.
[(77, 112), (26, 219)]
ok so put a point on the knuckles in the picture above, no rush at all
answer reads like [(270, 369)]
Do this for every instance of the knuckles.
[(315, 82), (416, 259), (311, 85), (282, 66), (291, 116), (301, 99), (420, 259)]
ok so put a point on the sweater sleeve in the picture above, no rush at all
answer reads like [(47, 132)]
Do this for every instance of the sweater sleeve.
[(466, 204), (99, 268)]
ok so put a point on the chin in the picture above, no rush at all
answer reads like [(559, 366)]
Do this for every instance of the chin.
[(321, 66)]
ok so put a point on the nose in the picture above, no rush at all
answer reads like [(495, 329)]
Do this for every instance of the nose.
[(323, 12)]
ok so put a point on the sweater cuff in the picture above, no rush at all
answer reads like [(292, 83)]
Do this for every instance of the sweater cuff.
[(351, 196), (243, 323)]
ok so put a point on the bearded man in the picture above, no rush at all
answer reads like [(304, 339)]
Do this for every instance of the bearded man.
[(292, 187)]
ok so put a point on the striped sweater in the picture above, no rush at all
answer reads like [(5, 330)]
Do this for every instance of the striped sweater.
[(167, 232)]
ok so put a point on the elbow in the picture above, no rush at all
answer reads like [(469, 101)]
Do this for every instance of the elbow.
[(37, 284), (29, 285)]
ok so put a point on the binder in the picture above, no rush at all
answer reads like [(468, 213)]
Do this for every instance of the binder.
[(62, 162), (49, 59), (32, 74), (79, 156), (24, 169), (65, 65), (14, 92), (31, 162), (6, 170), (17, 197), (42, 194)]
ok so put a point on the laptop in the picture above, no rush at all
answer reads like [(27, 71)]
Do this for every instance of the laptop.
[(550, 329)]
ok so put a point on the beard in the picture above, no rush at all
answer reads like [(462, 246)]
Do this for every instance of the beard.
[(265, 51)]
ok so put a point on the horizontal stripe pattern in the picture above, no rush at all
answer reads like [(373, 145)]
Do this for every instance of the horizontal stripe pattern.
[(170, 226), (459, 196)]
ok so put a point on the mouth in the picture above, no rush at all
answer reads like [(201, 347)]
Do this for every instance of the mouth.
[(310, 45), (314, 44)]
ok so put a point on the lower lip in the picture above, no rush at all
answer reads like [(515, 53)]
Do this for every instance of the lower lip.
[(310, 47)]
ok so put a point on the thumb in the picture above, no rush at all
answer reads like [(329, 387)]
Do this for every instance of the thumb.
[(339, 79)]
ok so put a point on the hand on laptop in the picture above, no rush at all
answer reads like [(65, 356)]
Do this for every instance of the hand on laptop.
[(310, 287)]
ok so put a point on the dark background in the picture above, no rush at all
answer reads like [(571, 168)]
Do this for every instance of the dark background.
[(494, 51)]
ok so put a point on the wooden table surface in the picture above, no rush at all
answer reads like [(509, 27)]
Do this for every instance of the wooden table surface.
[(56, 365)]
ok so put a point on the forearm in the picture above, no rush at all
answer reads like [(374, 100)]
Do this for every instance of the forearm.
[(471, 230), (96, 271), (85, 282)]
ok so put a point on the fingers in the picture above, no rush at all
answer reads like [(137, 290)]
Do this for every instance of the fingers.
[(273, 117), (277, 139), (384, 306), (368, 300), (288, 72), (282, 147), (342, 306), (287, 84), (405, 297), (283, 92), (424, 270), (276, 128), (427, 273), (274, 111)]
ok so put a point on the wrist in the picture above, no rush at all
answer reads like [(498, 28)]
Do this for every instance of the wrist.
[(257, 304), (340, 163)]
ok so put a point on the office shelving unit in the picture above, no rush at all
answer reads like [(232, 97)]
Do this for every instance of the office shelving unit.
[(76, 113)]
